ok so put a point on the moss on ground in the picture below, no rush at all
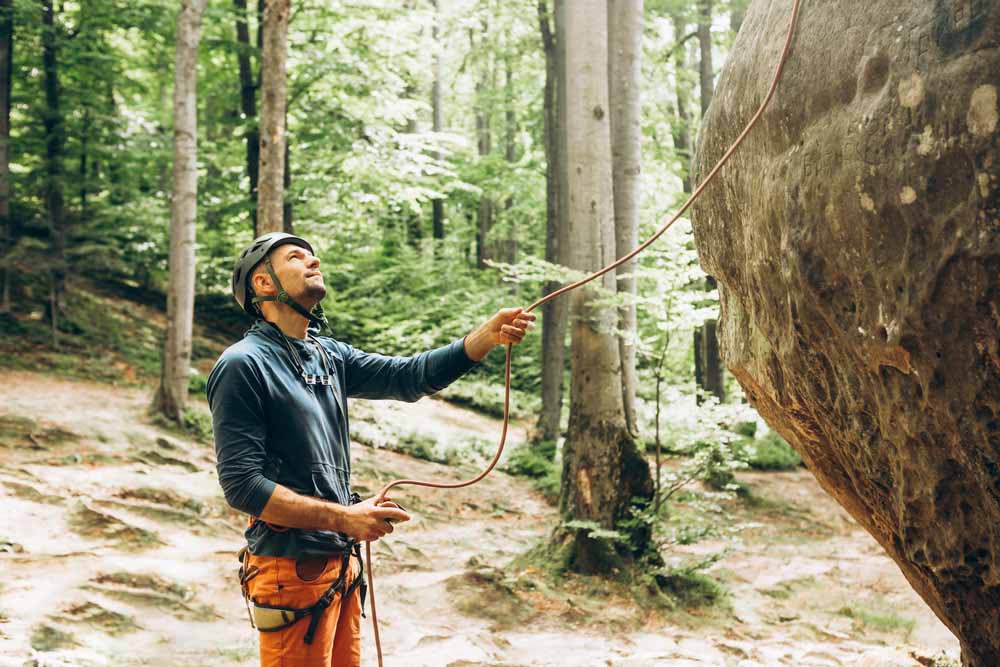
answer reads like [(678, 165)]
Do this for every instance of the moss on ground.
[(97, 525), (27, 433), (93, 614), (48, 638), (878, 618)]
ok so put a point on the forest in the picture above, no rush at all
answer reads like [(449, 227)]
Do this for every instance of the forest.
[(440, 157)]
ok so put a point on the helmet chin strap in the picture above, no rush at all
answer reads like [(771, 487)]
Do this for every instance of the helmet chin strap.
[(315, 317)]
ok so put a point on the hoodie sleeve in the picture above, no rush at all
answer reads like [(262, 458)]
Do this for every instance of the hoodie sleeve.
[(404, 378), (236, 394)]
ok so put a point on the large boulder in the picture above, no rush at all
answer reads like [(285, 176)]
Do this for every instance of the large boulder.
[(856, 242)]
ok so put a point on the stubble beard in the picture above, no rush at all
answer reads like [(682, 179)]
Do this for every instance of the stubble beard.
[(315, 293)]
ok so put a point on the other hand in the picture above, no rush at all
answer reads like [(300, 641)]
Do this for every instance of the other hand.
[(367, 522)]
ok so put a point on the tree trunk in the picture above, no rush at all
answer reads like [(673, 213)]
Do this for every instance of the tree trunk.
[(706, 74), (553, 312), (270, 196), (55, 148), (602, 468), (709, 371), (624, 77), (286, 180), (737, 12), (6, 80), (484, 140), (681, 128), (437, 112), (508, 249), (248, 103), (171, 396)]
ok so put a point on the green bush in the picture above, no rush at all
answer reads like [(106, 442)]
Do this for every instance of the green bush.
[(535, 461), (691, 588), (197, 384), (198, 424), (773, 453)]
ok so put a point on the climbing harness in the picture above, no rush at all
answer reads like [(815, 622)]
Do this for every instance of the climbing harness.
[(273, 618), (380, 498)]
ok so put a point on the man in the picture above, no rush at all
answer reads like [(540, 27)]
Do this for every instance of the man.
[(279, 413)]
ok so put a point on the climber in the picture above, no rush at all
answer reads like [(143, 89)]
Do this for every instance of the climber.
[(279, 412)]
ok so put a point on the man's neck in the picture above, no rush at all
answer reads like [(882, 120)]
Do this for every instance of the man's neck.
[(291, 323)]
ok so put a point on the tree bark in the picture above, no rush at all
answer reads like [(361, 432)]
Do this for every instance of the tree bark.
[(437, 122), (286, 181), (737, 12), (6, 81), (706, 74), (484, 141), (602, 468), (554, 312), (709, 371), (624, 77), (248, 103), (270, 195), (681, 129), (55, 149), (509, 244), (171, 397)]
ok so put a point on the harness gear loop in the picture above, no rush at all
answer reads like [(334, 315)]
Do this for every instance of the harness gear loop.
[(796, 5), (274, 618)]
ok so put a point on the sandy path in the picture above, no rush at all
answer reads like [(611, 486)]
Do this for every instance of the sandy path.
[(118, 551)]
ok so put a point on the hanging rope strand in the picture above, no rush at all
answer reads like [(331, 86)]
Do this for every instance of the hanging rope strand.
[(583, 281)]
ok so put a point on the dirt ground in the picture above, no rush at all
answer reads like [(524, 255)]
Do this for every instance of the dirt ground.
[(118, 550)]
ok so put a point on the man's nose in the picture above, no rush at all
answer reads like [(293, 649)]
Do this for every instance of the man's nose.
[(313, 262)]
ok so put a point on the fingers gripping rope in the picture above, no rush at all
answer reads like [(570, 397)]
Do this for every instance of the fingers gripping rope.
[(610, 267)]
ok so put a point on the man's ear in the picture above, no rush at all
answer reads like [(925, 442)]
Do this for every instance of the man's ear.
[(261, 283)]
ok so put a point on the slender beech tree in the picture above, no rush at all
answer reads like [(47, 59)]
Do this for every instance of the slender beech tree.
[(248, 98), (624, 77), (737, 12), (6, 80), (554, 312), (274, 100), (437, 117), (602, 467), (708, 368), (55, 153), (706, 73), (509, 243), (171, 396), (484, 143), (681, 127)]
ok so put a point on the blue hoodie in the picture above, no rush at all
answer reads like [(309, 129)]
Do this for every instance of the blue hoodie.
[(272, 428)]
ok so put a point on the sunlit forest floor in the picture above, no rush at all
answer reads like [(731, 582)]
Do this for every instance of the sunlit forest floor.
[(119, 550)]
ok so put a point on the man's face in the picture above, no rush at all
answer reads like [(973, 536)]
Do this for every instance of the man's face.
[(298, 271)]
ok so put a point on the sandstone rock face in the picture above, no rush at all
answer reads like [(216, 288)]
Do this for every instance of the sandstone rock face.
[(856, 242)]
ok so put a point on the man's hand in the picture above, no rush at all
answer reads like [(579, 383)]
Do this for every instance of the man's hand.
[(366, 521), (509, 325)]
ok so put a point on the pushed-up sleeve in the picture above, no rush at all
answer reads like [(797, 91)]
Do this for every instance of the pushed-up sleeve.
[(236, 397), (404, 378)]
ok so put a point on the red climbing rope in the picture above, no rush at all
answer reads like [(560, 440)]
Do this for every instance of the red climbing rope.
[(506, 399)]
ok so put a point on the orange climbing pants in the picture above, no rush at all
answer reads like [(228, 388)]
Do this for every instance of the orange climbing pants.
[(287, 582)]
